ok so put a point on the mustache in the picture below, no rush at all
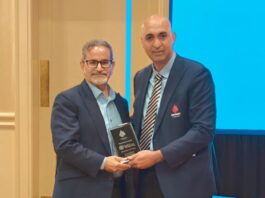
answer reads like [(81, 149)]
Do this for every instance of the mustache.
[(99, 73)]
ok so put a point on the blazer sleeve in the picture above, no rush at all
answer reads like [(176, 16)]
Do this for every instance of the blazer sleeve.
[(66, 137)]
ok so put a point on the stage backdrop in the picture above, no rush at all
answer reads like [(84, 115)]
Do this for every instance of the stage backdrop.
[(228, 38)]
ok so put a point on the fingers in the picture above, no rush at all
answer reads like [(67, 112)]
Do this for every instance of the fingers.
[(141, 160), (124, 161), (144, 159), (132, 157), (123, 166), (116, 164)]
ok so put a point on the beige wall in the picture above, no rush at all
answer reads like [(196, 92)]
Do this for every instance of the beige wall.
[(6, 56), (36, 30), (7, 102)]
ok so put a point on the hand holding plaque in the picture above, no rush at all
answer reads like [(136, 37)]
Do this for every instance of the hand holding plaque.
[(125, 140)]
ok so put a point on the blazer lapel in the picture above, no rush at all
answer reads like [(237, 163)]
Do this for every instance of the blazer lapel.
[(95, 114), (174, 78), (122, 111), (143, 90)]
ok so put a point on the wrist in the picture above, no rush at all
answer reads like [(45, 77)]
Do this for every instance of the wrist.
[(158, 156)]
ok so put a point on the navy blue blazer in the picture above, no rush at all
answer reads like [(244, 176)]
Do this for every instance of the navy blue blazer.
[(184, 128), (81, 143)]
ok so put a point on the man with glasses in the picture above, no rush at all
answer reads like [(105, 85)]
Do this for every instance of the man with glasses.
[(87, 165)]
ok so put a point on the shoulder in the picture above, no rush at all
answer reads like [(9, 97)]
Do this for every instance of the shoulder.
[(66, 101), (190, 64), (71, 95), (70, 92), (141, 77), (191, 68), (143, 72)]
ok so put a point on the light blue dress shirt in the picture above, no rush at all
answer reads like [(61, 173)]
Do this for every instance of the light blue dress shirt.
[(109, 112), (165, 73)]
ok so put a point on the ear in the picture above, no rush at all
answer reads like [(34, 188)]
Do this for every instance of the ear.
[(112, 67), (173, 36)]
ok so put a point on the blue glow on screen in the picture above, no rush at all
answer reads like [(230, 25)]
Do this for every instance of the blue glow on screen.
[(228, 37)]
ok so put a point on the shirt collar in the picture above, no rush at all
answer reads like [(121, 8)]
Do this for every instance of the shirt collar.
[(98, 93), (166, 69)]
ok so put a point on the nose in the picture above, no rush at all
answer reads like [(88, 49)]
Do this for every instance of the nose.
[(157, 43), (99, 67)]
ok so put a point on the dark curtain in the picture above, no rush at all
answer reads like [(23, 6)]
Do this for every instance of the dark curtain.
[(240, 165)]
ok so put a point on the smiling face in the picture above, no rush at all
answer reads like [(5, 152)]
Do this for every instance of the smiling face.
[(157, 40), (98, 76)]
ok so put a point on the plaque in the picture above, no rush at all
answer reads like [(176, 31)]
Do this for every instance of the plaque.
[(125, 140)]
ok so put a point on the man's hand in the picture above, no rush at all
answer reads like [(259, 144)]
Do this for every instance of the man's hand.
[(145, 159), (114, 164)]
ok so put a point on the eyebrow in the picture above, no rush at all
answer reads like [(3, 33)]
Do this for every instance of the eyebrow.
[(151, 34), (148, 34), (163, 32)]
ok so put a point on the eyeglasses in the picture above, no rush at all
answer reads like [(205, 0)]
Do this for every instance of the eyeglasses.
[(94, 63)]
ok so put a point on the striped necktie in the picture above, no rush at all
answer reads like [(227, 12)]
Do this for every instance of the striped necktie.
[(150, 117)]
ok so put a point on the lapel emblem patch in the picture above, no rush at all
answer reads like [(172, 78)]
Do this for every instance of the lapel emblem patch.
[(175, 113)]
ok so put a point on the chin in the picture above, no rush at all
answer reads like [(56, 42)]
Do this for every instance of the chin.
[(100, 82), (158, 59)]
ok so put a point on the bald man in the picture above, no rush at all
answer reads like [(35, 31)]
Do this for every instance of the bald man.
[(174, 120)]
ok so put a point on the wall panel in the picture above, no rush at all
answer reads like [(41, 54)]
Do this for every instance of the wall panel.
[(8, 187), (7, 153), (6, 93)]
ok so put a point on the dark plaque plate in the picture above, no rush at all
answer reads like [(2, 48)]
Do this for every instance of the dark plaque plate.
[(125, 140)]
